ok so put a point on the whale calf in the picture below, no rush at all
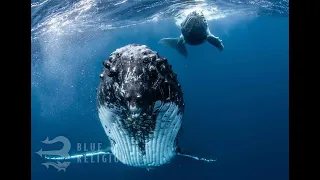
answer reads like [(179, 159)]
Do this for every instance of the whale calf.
[(194, 31)]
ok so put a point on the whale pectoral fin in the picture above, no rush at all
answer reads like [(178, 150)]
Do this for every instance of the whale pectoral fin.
[(75, 156), (175, 43), (186, 154), (215, 41)]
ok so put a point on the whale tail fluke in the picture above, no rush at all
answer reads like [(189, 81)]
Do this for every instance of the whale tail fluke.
[(175, 43), (215, 41)]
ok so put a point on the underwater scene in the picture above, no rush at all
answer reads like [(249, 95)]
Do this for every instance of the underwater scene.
[(160, 89)]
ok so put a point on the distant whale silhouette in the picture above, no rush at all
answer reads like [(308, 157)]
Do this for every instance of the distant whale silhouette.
[(194, 31)]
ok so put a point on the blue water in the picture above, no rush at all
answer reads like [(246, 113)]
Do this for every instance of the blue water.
[(236, 100)]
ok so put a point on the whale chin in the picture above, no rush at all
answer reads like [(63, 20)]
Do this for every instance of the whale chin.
[(159, 147)]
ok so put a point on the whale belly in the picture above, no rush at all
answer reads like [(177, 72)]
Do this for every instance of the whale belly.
[(159, 146)]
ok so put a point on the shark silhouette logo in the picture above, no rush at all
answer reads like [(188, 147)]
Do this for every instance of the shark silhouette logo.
[(63, 152), (59, 166)]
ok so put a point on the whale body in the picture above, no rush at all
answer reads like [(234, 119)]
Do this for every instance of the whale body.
[(194, 31), (140, 106)]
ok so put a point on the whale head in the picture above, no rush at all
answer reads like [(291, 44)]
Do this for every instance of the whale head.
[(140, 106)]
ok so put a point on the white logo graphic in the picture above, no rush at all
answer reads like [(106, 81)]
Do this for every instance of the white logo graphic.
[(63, 152), (59, 166)]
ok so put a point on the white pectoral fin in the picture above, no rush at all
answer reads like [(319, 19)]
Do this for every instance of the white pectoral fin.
[(197, 158), (215, 41), (181, 153), (175, 43), (79, 155)]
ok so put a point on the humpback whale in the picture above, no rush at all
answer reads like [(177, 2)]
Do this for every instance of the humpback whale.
[(194, 31), (140, 105)]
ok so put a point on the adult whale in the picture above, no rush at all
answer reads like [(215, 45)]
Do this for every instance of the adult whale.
[(140, 106)]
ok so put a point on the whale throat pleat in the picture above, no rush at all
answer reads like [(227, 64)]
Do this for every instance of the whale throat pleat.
[(159, 145)]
